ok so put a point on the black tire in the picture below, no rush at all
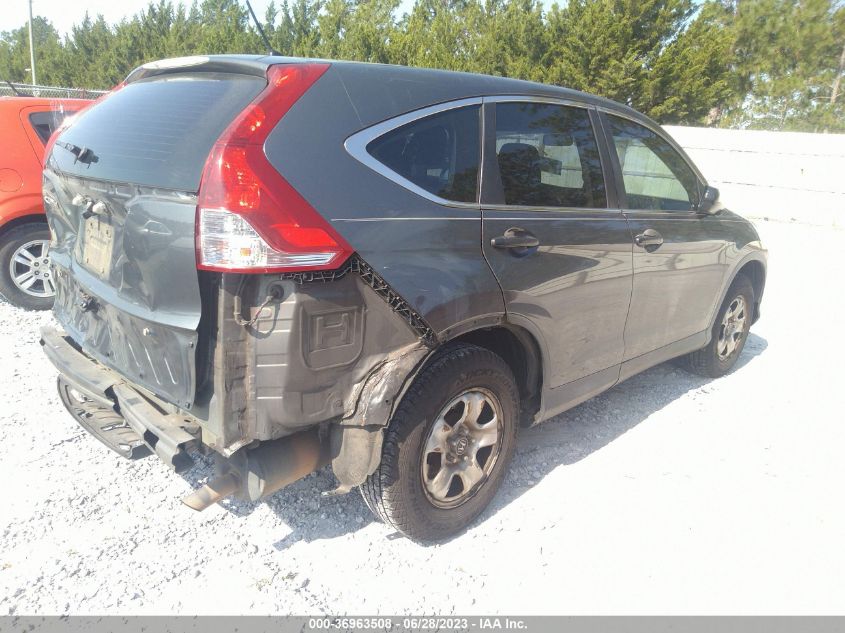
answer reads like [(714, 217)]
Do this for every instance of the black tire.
[(708, 361), (396, 492), (10, 242)]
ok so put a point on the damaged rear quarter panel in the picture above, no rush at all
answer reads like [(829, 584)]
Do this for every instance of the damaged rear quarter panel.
[(428, 253), (322, 351), (338, 350), (371, 402)]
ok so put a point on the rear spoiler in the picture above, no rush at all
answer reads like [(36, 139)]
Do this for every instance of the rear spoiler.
[(255, 65)]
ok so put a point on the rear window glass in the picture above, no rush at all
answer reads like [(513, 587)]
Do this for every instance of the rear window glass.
[(157, 132), (439, 153), (45, 123)]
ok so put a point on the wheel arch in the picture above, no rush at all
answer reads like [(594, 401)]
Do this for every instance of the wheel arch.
[(755, 270), (753, 265), (30, 218), (521, 351)]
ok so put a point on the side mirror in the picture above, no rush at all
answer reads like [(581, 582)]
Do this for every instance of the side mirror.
[(709, 201)]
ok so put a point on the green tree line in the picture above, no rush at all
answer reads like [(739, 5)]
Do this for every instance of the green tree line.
[(773, 64)]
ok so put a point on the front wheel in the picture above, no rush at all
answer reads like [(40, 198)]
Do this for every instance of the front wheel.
[(26, 279), (730, 331), (448, 445)]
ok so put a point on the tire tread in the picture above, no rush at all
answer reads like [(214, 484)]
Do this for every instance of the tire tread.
[(374, 489), (704, 361)]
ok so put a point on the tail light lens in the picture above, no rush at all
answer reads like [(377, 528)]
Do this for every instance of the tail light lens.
[(249, 218)]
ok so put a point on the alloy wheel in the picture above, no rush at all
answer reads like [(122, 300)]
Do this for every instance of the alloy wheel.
[(733, 327), (30, 269), (462, 447)]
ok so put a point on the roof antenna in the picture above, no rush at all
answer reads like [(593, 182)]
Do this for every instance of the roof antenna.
[(270, 49)]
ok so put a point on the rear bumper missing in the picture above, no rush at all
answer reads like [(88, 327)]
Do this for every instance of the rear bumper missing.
[(135, 424), (307, 382), (116, 413)]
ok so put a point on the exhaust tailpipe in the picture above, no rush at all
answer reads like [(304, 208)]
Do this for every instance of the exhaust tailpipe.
[(212, 492), (263, 470)]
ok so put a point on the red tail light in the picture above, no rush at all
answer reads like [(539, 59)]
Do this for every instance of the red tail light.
[(249, 218)]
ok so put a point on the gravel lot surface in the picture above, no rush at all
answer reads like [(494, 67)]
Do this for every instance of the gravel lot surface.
[(667, 494)]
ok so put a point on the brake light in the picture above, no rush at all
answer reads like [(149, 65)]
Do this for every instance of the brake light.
[(249, 218), (70, 120)]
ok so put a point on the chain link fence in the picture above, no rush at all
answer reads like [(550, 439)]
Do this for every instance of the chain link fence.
[(10, 89)]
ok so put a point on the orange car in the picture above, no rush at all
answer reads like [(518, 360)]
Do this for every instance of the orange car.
[(25, 125)]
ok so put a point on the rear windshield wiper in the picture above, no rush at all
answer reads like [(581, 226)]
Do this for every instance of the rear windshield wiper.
[(82, 154)]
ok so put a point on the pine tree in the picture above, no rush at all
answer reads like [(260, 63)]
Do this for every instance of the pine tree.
[(777, 64)]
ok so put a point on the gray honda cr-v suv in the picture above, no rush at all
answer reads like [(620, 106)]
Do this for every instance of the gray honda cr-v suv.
[(291, 263)]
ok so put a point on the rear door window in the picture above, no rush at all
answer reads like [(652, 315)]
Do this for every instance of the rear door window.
[(548, 156), (45, 123), (158, 131), (438, 153), (656, 176)]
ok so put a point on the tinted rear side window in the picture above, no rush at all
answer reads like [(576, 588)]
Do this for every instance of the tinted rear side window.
[(45, 123), (548, 157), (439, 153), (157, 132)]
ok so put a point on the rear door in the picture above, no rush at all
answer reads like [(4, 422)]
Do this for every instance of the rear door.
[(554, 237), (121, 195), (680, 257)]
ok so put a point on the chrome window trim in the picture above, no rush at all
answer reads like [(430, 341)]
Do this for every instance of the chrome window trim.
[(549, 210), (437, 218), (356, 146), (536, 99)]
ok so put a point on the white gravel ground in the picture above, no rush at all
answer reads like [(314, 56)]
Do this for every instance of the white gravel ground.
[(668, 494)]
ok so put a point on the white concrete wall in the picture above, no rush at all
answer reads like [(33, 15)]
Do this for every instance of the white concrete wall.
[(778, 175)]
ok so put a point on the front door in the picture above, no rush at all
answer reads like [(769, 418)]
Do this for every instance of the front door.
[(680, 257), (560, 252)]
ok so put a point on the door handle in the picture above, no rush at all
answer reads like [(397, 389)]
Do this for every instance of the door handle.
[(647, 238), (515, 238)]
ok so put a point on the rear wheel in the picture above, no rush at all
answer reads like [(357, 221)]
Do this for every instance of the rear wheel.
[(26, 279), (729, 334), (447, 447)]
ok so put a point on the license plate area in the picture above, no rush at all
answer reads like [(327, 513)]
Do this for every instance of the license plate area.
[(157, 357), (97, 246)]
